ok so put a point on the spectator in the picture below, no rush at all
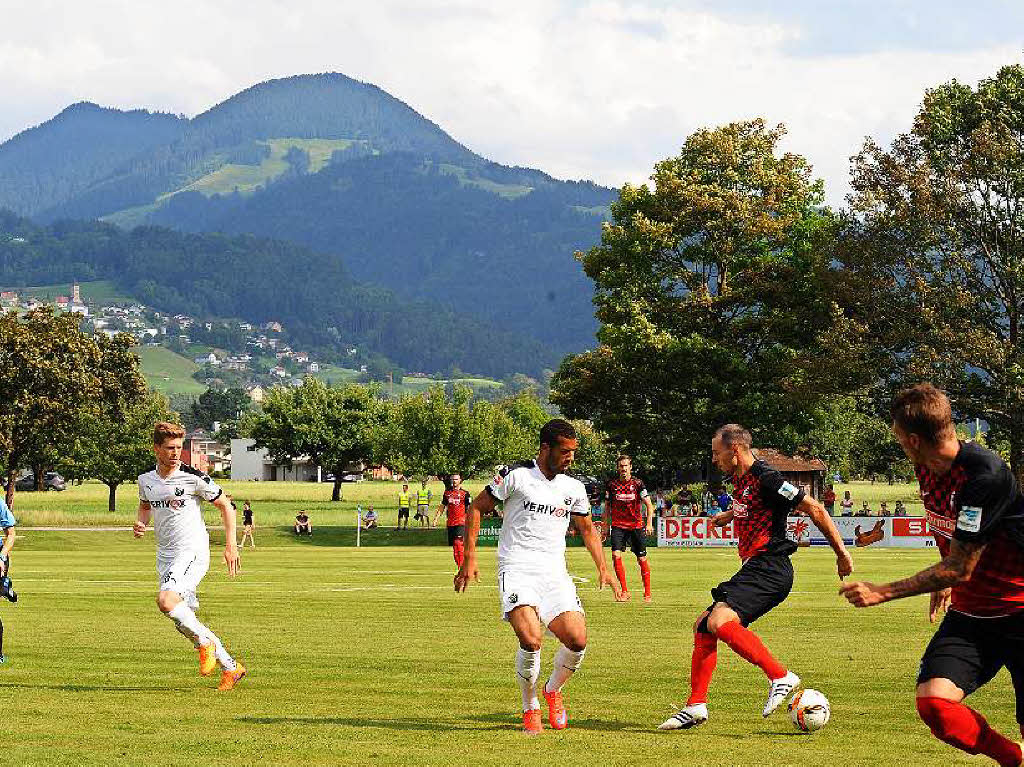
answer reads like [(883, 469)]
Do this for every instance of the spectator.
[(714, 509), (865, 510), (659, 503), (695, 510), (302, 524), (248, 528), (669, 511), (847, 504), (370, 518), (707, 499), (724, 500), (883, 509), (829, 500), (900, 510)]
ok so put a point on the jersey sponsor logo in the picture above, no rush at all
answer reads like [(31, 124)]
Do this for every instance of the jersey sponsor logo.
[(787, 491), (739, 510), (940, 525), (624, 497), (970, 519), (546, 508), (179, 491)]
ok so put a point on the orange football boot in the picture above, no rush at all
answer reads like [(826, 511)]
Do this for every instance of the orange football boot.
[(207, 659), (228, 679), (557, 715), (531, 722)]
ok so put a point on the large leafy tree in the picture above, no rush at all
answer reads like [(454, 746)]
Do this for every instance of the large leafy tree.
[(116, 447), (54, 376), (938, 231), (334, 427), (443, 432), (223, 406), (710, 294)]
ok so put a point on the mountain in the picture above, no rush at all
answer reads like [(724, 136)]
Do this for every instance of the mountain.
[(214, 275), (348, 170)]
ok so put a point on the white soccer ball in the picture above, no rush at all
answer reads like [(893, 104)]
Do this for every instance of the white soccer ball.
[(809, 710)]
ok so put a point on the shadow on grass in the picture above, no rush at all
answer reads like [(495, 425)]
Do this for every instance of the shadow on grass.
[(342, 721), (89, 687), (509, 722), (343, 536)]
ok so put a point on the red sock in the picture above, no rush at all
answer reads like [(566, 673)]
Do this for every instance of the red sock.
[(748, 646), (645, 572), (702, 666), (458, 551), (966, 729), (620, 571)]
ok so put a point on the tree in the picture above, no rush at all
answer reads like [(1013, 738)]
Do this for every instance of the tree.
[(334, 427), (938, 228), (710, 291), (219, 406), (116, 447), (436, 433), (54, 375)]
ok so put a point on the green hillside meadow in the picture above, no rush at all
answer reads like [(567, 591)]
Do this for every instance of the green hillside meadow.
[(167, 372)]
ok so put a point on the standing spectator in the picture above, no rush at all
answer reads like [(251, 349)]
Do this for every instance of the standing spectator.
[(659, 503), (423, 496), (248, 529), (829, 500), (900, 510), (724, 500), (403, 508), (847, 504), (706, 499), (669, 511)]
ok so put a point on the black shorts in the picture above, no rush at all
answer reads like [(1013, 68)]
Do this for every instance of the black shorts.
[(403, 512), (970, 651), (761, 584), (456, 533), (635, 539)]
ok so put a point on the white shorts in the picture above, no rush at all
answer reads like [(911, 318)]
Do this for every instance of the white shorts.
[(182, 572), (551, 593)]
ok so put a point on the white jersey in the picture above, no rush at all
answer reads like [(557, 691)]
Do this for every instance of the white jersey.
[(536, 516), (177, 517)]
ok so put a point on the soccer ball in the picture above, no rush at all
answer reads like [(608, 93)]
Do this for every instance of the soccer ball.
[(809, 710)]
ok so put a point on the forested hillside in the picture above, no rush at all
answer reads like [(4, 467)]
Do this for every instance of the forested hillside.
[(262, 280)]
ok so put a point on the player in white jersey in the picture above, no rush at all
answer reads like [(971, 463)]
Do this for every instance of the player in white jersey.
[(539, 499), (171, 494)]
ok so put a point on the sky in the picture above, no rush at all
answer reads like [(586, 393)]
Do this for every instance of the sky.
[(594, 89)]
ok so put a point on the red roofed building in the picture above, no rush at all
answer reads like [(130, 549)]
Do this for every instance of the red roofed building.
[(806, 473)]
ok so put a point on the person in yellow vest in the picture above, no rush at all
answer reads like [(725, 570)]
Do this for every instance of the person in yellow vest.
[(403, 508), (423, 496)]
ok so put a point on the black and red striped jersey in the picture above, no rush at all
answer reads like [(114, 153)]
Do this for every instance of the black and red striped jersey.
[(979, 500), (625, 499), (456, 504), (762, 500)]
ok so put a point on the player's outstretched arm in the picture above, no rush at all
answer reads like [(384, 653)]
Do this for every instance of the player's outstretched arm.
[(223, 504), (482, 504), (821, 520), (722, 518), (592, 540), (955, 567), (142, 519)]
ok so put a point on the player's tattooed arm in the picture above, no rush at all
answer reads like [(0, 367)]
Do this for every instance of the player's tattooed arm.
[(955, 567), (722, 518)]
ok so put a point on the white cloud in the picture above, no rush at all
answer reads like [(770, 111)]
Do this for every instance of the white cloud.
[(596, 89)]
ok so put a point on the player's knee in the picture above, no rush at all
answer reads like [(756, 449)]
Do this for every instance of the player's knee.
[(577, 641), (945, 719), (530, 643), (719, 618), (166, 601)]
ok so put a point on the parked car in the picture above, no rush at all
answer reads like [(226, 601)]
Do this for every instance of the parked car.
[(51, 481), (352, 478)]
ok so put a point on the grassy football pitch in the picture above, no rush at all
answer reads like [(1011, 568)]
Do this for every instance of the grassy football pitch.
[(366, 656)]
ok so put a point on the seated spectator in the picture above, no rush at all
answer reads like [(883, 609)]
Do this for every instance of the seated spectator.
[(847, 504), (828, 500), (302, 524), (695, 510), (714, 508), (669, 510), (865, 510), (596, 508), (883, 509), (724, 500), (369, 518), (900, 510)]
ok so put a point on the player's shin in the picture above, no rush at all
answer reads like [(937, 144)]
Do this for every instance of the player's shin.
[(749, 646), (458, 551), (964, 728), (645, 573), (186, 622), (620, 571), (527, 674), (566, 663), (702, 666)]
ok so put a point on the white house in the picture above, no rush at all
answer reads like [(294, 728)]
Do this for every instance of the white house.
[(251, 464)]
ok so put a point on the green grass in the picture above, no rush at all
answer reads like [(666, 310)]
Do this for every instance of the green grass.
[(95, 292), (508, 191), (409, 385), (881, 491), (245, 178), (366, 656), (167, 372)]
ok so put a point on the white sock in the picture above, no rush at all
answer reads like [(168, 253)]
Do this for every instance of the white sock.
[(528, 672), (223, 657), (188, 624), (566, 663)]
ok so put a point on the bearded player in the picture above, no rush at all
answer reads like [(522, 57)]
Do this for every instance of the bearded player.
[(762, 501), (632, 515), (171, 494), (455, 502), (976, 513), (539, 499)]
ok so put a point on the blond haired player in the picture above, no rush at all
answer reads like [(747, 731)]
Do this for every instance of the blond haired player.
[(171, 495)]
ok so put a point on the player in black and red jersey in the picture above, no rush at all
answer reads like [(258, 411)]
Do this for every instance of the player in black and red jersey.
[(762, 500), (628, 504), (455, 502), (976, 512)]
